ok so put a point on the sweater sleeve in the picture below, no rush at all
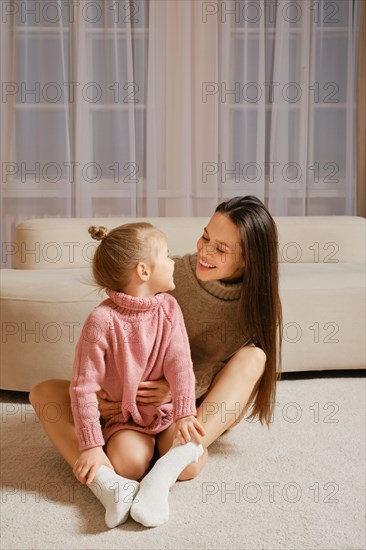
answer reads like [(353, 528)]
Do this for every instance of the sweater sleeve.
[(88, 375), (178, 367)]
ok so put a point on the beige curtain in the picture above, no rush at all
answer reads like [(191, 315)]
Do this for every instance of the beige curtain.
[(7, 78), (182, 128), (361, 116)]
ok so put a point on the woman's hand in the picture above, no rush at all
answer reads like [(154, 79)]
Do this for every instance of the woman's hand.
[(107, 408), (187, 429), (88, 463), (156, 392)]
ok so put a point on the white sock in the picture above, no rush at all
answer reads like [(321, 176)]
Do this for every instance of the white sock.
[(115, 493), (150, 506)]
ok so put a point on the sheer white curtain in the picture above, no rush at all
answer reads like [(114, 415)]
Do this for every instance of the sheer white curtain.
[(182, 129), (164, 108), (289, 127), (73, 108)]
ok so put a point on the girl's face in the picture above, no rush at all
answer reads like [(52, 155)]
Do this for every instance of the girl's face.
[(162, 268), (219, 253)]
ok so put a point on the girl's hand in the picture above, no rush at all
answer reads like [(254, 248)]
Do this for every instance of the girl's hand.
[(88, 463), (187, 429), (156, 392), (107, 408)]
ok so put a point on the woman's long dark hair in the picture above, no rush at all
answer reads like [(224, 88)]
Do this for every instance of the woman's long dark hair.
[(260, 311)]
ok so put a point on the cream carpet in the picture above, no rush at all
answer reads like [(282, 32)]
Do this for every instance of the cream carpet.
[(299, 485)]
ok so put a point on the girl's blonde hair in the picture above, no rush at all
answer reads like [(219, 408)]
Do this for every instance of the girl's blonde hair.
[(120, 250)]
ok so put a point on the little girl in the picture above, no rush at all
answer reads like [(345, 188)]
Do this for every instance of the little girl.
[(136, 334)]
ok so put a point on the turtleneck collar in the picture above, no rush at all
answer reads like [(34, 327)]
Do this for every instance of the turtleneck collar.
[(219, 289), (132, 302)]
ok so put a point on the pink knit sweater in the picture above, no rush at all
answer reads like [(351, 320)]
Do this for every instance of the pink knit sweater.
[(124, 341)]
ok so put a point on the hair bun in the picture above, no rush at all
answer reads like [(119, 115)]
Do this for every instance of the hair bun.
[(98, 232)]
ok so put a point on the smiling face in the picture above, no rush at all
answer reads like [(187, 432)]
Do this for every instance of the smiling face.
[(219, 252)]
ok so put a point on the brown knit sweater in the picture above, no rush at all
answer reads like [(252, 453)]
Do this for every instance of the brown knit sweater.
[(210, 312)]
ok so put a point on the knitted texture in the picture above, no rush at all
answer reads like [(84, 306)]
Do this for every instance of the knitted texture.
[(211, 316), (124, 341)]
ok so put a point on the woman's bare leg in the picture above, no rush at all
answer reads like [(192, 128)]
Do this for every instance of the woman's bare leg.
[(234, 384), (130, 452), (51, 401), (227, 400)]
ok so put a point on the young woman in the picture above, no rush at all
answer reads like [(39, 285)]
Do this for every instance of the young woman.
[(228, 293)]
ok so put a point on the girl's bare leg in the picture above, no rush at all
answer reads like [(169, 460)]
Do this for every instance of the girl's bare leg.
[(233, 385), (51, 401), (226, 402), (130, 452)]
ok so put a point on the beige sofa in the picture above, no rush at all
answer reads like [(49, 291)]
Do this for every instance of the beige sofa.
[(48, 293)]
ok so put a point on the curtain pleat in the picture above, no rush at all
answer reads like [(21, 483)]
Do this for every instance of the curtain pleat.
[(182, 130)]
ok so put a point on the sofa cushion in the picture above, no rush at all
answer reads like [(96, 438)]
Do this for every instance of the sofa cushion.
[(320, 305), (64, 243), (42, 315)]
